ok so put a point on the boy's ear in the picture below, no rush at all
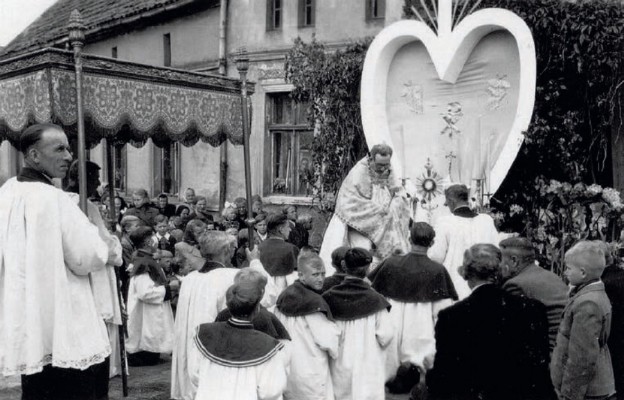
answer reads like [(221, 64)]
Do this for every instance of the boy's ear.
[(584, 272)]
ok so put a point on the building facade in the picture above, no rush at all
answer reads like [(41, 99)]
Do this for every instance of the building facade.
[(205, 36)]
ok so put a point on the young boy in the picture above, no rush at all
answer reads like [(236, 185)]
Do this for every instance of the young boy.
[(162, 238), (150, 318), (581, 364)]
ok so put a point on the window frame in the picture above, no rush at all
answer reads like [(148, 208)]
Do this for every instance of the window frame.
[(159, 169), (371, 5), (303, 7), (273, 23), (167, 49)]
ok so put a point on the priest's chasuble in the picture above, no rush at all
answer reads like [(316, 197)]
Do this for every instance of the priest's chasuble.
[(454, 235), (48, 247), (315, 338), (366, 330), (365, 207), (237, 362)]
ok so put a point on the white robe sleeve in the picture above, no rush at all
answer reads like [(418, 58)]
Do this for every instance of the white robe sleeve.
[(325, 333), (384, 328), (271, 377), (148, 292), (271, 292), (113, 243), (83, 249), (437, 252)]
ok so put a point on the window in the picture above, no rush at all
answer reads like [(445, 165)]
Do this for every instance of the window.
[(375, 9), (167, 50), (167, 168), (274, 15), (119, 158), (114, 52), (290, 139), (306, 13)]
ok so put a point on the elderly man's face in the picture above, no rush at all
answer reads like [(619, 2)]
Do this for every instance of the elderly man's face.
[(507, 265), (52, 153), (190, 196), (285, 229), (381, 165), (138, 200), (291, 213)]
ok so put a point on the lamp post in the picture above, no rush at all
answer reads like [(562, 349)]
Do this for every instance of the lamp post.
[(242, 65), (76, 29)]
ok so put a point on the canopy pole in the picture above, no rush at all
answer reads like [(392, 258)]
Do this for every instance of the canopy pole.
[(113, 220), (76, 38), (242, 64)]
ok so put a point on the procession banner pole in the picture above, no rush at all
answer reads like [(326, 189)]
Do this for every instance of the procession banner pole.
[(76, 39), (242, 64), (113, 219)]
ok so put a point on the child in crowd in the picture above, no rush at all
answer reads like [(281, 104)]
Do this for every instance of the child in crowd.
[(162, 238), (240, 257), (150, 318), (261, 228), (337, 257), (256, 205), (228, 217), (581, 367)]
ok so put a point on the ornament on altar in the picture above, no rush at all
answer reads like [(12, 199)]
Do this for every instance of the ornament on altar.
[(455, 97)]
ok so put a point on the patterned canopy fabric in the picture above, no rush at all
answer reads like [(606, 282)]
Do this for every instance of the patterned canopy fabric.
[(123, 102)]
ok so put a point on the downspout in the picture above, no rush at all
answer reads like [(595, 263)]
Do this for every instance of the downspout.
[(223, 156)]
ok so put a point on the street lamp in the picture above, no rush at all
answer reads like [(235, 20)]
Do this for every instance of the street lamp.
[(242, 65)]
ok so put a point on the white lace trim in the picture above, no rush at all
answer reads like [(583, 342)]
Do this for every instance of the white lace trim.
[(29, 369)]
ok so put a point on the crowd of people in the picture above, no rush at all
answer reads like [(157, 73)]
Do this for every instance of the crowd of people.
[(446, 312)]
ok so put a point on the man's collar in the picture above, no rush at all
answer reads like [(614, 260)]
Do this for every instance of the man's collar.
[(464, 211), (28, 174)]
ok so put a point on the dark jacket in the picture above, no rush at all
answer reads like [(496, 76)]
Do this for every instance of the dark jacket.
[(299, 236), (146, 213), (581, 362), (278, 257), (613, 278), (168, 211), (534, 282), (491, 346)]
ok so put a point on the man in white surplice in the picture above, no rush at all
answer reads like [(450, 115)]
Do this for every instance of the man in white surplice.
[(307, 318), (457, 232), (202, 297), (50, 329)]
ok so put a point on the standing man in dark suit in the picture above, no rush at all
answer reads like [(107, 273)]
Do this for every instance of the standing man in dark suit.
[(491, 345), (522, 277)]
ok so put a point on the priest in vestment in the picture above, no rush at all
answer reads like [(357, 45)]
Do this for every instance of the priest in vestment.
[(417, 288), (202, 297), (457, 232), (373, 210), (51, 332), (362, 315), (237, 362), (315, 337)]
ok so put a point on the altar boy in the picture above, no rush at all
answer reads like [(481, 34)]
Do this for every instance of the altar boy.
[(362, 315), (308, 319)]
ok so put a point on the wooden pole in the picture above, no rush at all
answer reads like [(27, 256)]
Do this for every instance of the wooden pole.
[(76, 38), (113, 219)]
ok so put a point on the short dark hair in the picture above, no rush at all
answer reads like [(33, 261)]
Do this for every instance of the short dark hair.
[(274, 221), (163, 196), (242, 298), (457, 192), (73, 169), (422, 234), (356, 261), (482, 261), (260, 217), (288, 207), (382, 149), (337, 256), (140, 235), (33, 133)]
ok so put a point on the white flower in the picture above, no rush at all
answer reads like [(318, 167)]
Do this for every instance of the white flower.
[(612, 197), (515, 209), (594, 189)]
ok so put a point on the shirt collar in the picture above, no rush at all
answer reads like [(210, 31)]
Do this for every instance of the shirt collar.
[(28, 174), (240, 323)]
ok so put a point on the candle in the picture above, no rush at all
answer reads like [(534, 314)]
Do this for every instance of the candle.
[(402, 134)]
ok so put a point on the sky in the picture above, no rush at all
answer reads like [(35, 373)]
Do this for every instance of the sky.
[(16, 15)]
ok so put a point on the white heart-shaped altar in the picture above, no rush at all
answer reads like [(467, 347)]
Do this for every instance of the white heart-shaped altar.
[(459, 99)]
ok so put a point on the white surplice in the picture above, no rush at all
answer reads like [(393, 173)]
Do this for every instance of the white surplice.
[(202, 297), (455, 235), (150, 319), (314, 340), (48, 314), (414, 334), (358, 373), (104, 284), (261, 382)]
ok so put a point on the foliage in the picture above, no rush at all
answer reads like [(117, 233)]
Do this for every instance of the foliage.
[(330, 83), (579, 49)]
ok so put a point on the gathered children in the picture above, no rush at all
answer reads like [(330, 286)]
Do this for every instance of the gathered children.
[(581, 366), (150, 318)]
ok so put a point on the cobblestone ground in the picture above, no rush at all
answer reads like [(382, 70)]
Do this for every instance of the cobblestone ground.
[(145, 383)]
